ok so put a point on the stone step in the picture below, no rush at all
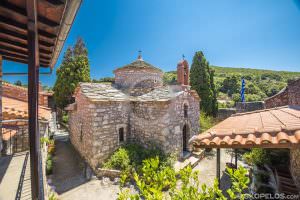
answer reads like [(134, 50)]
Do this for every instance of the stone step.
[(192, 160)]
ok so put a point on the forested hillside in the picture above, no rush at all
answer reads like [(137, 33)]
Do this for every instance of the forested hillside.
[(259, 83)]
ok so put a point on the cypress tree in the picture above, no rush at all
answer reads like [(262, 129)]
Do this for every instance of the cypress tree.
[(202, 80), (75, 68)]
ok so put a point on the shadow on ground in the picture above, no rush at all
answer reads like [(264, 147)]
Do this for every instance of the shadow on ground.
[(4, 163), (68, 170)]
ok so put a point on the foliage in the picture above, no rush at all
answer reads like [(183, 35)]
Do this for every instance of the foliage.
[(104, 80), (49, 164), (65, 118), (206, 122), (230, 85), (75, 68), (157, 182), (202, 80), (154, 179), (132, 156), (240, 183), (52, 196), (119, 160), (259, 83), (227, 104), (257, 156), (18, 82), (170, 78)]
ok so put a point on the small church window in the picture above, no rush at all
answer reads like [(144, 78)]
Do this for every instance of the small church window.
[(121, 134), (185, 110)]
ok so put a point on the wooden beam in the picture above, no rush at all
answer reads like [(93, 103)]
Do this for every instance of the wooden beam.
[(218, 168), (33, 99), (20, 56), (19, 45), (22, 52), (7, 6), (23, 37), (236, 157), (24, 61), (22, 27), (55, 2)]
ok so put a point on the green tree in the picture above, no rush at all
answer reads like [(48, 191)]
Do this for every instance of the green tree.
[(18, 82), (230, 85), (202, 80), (75, 68)]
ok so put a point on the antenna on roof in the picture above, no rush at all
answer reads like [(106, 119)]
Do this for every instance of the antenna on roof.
[(140, 55)]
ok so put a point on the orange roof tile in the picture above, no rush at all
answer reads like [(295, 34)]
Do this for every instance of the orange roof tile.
[(262, 128), (16, 109)]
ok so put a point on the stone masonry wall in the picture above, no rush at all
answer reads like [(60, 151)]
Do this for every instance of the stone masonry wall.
[(80, 125), (162, 122), (294, 92), (280, 99), (295, 165), (289, 96), (128, 78), (108, 118)]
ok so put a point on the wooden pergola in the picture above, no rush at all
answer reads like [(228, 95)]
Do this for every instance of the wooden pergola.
[(33, 32), (270, 128)]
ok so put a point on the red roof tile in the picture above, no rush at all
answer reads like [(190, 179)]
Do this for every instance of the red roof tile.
[(262, 128)]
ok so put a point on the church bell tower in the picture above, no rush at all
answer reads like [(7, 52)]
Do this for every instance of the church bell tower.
[(183, 72)]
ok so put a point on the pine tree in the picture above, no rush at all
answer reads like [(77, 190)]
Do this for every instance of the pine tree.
[(202, 80), (75, 68)]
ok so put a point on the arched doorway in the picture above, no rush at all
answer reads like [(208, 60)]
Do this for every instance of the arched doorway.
[(185, 138)]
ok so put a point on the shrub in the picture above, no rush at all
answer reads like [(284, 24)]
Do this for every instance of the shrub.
[(155, 178), (119, 160), (65, 118), (132, 155), (49, 165), (257, 156), (206, 122)]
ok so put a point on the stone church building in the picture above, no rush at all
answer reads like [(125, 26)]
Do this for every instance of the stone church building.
[(137, 107)]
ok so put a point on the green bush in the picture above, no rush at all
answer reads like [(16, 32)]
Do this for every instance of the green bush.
[(65, 118), (132, 155), (206, 122), (257, 156), (155, 179), (119, 160), (49, 165)]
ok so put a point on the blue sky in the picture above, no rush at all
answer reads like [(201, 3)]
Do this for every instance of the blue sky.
[(232, 33)]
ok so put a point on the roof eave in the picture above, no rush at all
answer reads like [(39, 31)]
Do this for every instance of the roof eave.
[(67, 21)]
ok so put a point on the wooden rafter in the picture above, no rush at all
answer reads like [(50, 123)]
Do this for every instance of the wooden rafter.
[(9, 7), (22, 27)]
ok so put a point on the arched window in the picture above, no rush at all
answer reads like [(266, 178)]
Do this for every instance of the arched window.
[(121, 134), (185, 110)]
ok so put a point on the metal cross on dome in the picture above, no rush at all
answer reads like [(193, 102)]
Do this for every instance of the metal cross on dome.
[(140, 55), (183, 57)]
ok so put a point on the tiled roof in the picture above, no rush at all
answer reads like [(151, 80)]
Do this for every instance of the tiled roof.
[(139, 64), (102, 92), (107, 92), (16, 109), (263, 128), (160, 94)]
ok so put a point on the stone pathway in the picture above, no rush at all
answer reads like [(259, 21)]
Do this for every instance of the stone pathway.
[(68, 169), (207, 168), (15, 177)]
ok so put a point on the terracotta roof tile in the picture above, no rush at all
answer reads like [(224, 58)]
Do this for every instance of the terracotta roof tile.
[(16, 109), (258, 128)]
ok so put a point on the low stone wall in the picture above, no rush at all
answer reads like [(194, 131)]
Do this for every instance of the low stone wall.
[(224, 113), (287, 96), (279, 99), (249, 106), (295, 165), (110, 173)]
